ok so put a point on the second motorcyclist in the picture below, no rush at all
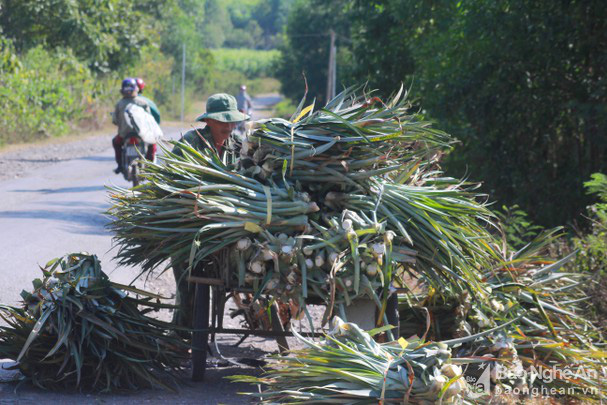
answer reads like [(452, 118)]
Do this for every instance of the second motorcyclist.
[(153, 108), (129, 91)]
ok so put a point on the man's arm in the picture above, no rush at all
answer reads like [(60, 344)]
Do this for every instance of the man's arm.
[(143, 103), (115, 116)]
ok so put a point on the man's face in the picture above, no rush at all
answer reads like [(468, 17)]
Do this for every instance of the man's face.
[(220, 130)]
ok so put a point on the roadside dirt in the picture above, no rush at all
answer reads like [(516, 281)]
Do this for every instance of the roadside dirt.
[(18, 160)]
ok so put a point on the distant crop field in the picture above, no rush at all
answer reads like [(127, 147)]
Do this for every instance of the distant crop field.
[(252, 63)]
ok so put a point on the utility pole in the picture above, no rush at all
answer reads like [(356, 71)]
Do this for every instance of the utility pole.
[(332, 70), (183, 85)]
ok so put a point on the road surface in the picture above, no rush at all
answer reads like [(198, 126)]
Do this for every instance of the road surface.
[(58, 208)]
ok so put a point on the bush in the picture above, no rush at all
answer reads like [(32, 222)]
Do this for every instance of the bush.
[(518, 228), (284, 109), (234, 67), (592, 246), (42, 93), (163, 87)]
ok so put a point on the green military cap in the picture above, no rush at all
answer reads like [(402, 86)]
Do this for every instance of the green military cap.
[(222, 107)]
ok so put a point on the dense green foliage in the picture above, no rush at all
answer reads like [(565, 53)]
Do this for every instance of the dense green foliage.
[(183, 23), (44, 92), (249, 62), (529, 102), (236, 66), (104, 33), (306, 49), (284, 109), (517, 229), (521, 83), (592, 246), (61, 61), (251, 23)]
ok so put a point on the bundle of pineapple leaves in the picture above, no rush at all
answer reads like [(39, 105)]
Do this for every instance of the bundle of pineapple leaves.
[(77, 329), (348, 367), (324, 183)]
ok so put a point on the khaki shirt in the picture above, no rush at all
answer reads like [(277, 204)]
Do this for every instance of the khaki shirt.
[(118, 118), (192, 137)]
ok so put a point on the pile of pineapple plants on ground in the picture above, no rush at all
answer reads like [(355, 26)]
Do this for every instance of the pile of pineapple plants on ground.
[(77, 329)]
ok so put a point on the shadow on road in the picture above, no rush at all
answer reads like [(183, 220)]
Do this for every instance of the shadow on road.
[(23, 160), (97, 158), (83, 221), (93, 206), (215, 389), (63, 190)]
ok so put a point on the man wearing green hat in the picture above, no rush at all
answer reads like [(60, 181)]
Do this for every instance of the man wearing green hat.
[(221, 117)]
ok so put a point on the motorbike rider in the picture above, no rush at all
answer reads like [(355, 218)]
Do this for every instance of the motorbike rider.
[(221, 117), (129, 91)]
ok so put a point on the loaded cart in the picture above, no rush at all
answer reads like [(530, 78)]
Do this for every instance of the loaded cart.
[(211, 296), (335, 206)]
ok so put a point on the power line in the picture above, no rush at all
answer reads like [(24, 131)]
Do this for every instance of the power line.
[(309, 35), (321, 35)]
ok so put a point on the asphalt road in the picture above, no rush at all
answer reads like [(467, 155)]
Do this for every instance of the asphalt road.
[(55, 210), (58, 208)]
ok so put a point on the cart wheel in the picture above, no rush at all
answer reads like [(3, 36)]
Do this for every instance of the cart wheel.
[(200, 335), (135, 175), (392, 314), (283, 346)]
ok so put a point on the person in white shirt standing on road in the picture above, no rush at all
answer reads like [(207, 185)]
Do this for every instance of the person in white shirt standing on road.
[(243, 101)]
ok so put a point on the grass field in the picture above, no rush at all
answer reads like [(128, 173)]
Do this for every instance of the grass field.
[(252, 63)]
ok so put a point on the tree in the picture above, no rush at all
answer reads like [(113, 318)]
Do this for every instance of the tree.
[(384, 35), (271, 15), (523, 84), (306, 46), (105, 33), (216, 24), (183, 22)]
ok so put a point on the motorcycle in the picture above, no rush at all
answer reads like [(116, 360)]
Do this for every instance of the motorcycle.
[(144, 133), (133, 152)]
